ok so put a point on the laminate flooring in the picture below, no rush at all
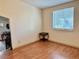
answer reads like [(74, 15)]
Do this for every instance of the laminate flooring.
[(42, 50)]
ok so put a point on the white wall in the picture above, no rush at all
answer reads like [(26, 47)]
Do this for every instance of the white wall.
[(66, 37), (25, 21)]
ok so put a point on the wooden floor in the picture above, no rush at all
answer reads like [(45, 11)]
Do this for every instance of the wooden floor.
[(42, 50)]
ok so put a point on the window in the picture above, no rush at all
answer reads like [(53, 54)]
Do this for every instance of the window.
[(63, 19)]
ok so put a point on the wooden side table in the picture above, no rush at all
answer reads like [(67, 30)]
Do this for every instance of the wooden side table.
[(43, 36)]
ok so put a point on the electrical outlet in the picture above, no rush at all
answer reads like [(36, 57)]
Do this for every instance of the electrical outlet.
[(19, 41)]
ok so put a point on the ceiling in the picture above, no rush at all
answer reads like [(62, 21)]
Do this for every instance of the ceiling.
[(45, 3)]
